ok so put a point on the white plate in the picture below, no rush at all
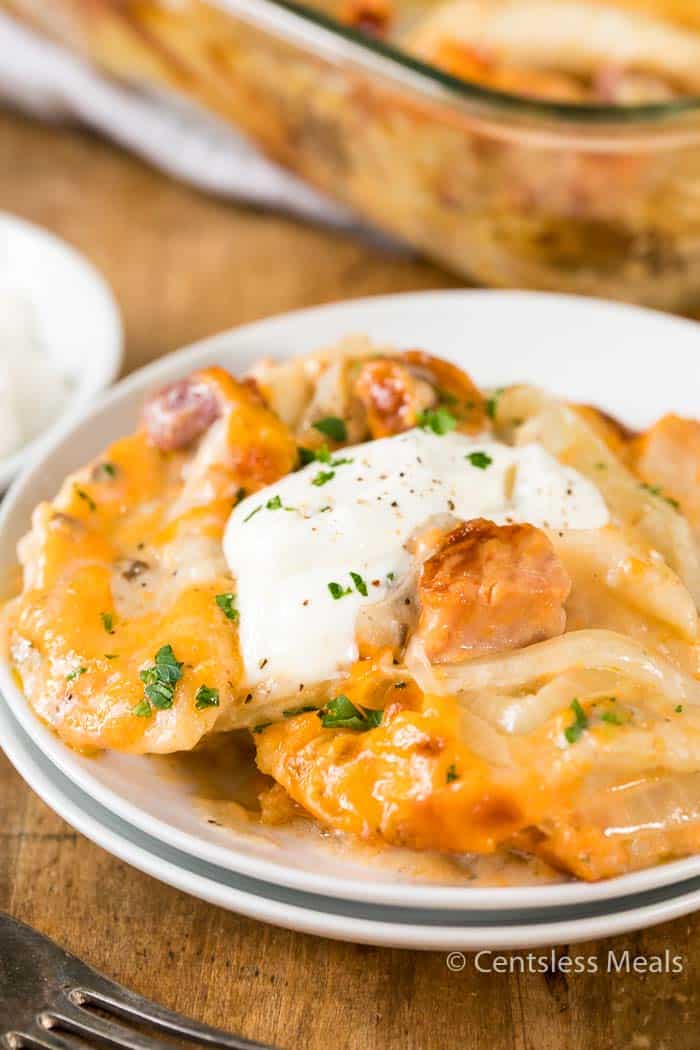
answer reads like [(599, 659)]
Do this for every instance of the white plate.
[(77, 317), (638, 364), (348, 920)]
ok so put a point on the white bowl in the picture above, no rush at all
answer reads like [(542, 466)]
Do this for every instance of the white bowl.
[(77, 316), (635, 363)]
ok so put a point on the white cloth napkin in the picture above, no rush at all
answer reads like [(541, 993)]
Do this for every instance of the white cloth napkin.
[(40, 77)]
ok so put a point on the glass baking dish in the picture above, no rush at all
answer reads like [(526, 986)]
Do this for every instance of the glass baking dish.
[(505, 190)]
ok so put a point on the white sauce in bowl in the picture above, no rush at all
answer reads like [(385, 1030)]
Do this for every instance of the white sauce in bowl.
[(33, 391), (288, 542)]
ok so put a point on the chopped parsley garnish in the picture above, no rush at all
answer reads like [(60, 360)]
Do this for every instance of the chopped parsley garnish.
[(75, 674), (400, 685), (333, 427), (337, 591), (480, 460), (656, 490), (275, 503), (678, 709), (292, 711), (611, 717), (341, 713), (252, 513), (105, 468), (160, 694), (391, 576), (322, 477), (360, 585), (492, 403), (439, 420), (111, 656), (580, 723), (323, 455), (452, 773), (259, 728), (240, 495), (306, 455), (86, 498), (160, 679), (169, 669), (206, 697), (142, 710), (227, 604), (107, 622)]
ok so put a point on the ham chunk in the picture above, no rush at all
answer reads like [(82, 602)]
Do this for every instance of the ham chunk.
[(396, 392), (180, 413), (392, 396), (490, 588)]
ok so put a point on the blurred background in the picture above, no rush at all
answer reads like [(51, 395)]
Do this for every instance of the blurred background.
[(220, 161)]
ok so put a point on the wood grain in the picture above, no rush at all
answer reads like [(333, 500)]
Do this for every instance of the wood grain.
[(184, 266)]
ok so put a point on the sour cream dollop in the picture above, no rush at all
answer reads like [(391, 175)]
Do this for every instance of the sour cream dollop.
[(304, 550)]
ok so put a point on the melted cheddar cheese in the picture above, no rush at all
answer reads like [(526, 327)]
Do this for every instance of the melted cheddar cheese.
[(127, 559), (527, 679)]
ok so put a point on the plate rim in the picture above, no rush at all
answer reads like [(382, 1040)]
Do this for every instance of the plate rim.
[(447, 897), (143, 855)]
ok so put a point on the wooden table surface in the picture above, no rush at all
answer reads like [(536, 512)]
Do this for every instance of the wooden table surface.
[(184, 266)]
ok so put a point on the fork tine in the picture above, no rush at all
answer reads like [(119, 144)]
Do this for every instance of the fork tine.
[(64, 988), (85, 1024), (133, 1007), (37, 1039)]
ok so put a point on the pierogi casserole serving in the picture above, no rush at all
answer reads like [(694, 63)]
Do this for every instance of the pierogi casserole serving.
[(461, 622)]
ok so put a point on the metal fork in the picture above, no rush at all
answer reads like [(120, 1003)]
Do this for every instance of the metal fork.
[(47, 996)]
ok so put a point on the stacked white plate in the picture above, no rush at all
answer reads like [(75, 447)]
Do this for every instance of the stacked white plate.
[(634, 363)]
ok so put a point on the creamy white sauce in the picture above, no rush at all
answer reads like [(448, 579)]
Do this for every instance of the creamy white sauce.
[(32, 389), (292, 630)]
